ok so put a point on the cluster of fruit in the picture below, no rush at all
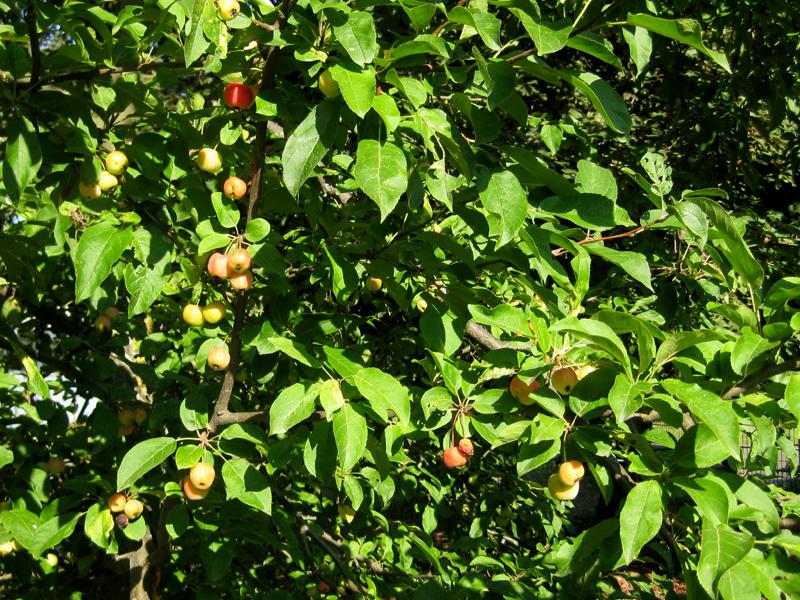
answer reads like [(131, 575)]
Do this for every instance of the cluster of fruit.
[(127, 509), (115, 164), (562, 380), (565, 483), (198, 482), (456, 457), (129, 418)]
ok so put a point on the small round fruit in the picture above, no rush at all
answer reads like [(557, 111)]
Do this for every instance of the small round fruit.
[(328, 87), (571, 472), (465, 447), (90, 191), (209, 160), (112, 312), (102, 324), (238, 95), (234, 188), (218, 265), (219, 358), (51, 559), (563, 380), (193, 315), (422, 305), (56, 465), (227, 9), (346, 512), (107, 181), (127, 429), (241, 281), (374, 284), (214, 313), (140, 415), (116, 502), (121, 520), (116, 162), (521, 391), (126, 416), (534, 386), (437, 228), (133, 508), (12, 312), (240, 260), (201, 476), (191, 492), (453, 459), (560, 491), (7, 548)]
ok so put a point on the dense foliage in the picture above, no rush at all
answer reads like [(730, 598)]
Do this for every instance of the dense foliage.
[(439, 200)]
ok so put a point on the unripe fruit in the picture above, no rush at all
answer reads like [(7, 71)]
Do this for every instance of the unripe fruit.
[(7, 548), (12, 312), (193, 315), (238, 95), (239, 260), (214, 313), (466, 448), (116, 162), (219, 358), (218, 265), (125, 416), (234, 188), (241, 281), (201, 476), (560, 491), (140, 415), (422, 305), (563, 380), (102, 324), (133, 508), (519, 389), (51, 559), (453, 459), (209, 160), (116, 502), (346, 512), (437, 228), (107, 181), (227, 9), (112, 312), (90, 191), (191, 492), (56, 465), (327, 85), (374, 284), (571, 472)]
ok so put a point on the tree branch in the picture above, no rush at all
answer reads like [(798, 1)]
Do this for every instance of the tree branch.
[(793, 364), (616, 236), (484, 337), (33, 35), (33, 83)]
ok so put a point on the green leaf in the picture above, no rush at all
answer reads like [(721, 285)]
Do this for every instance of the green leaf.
[(380, 171), (543, 174), (595, 45), (640, 45), (227, 214), (143, 457), (626, 398), (506, 203), (21, 524), (50, 533), (640, 518), (503, 316), (144, 286), (292, 406), (213, 241), (485, 23), (6, 456), (747, 349), (600, 335), (633, 263), (532, 456), (100, 246), (35, 382), (344, 277), (357, 87), (680, 341), (188, 456), (694, 220), (699, 448), (247, 484), (722, 547), (686, 31), (383, 392), (594, 179), (591, 211), (99, 527), (603, 97), (309, 144), (196, 42), (547, 37), (257, 230), (22, 158), (708, 495), (386, 107), (356, 33), (712, 410), (294, 349), (350, 432), (331, 397), (752, 498), (792, 396), (645, 333)]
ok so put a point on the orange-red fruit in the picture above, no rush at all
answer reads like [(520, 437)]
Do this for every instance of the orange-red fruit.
[(571, 472), (126, 416), (201, 476), (116, 502), (563, 380), (234, 188), (521, 390), (238, 95), (56, 465), (191, 492), (239, 260), (218, 265), (466, 448), (241, 281), (453, 459)]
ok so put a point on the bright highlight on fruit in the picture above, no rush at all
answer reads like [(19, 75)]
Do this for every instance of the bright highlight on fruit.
[(227, 9), (234, 188), (214, 313), (116, 162), (560, 491), (241, 281), (374, 284), (201, 476), (238, 96), (239, 260), (193, 315), (571, 472), (107, 181), (89, 191), (191, 492), (563, 380), (116, 502), (328, 87), (453, 459), (133, 508), (218, 265), (209, 160), (219, 358)]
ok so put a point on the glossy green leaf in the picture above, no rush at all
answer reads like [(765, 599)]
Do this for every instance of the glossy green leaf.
[(100, 246), (142, 458), (356, 33), (640, 518), (309, 144), (22, 158), (350, 433), (722, 547), (380, 171), (384, 392), (357, 87), (293, 405), (506, 204)]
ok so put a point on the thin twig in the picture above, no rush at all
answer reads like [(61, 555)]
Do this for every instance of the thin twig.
[(484, 337), (33, 35), (793, 364), (32, 83), (625, 234)]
